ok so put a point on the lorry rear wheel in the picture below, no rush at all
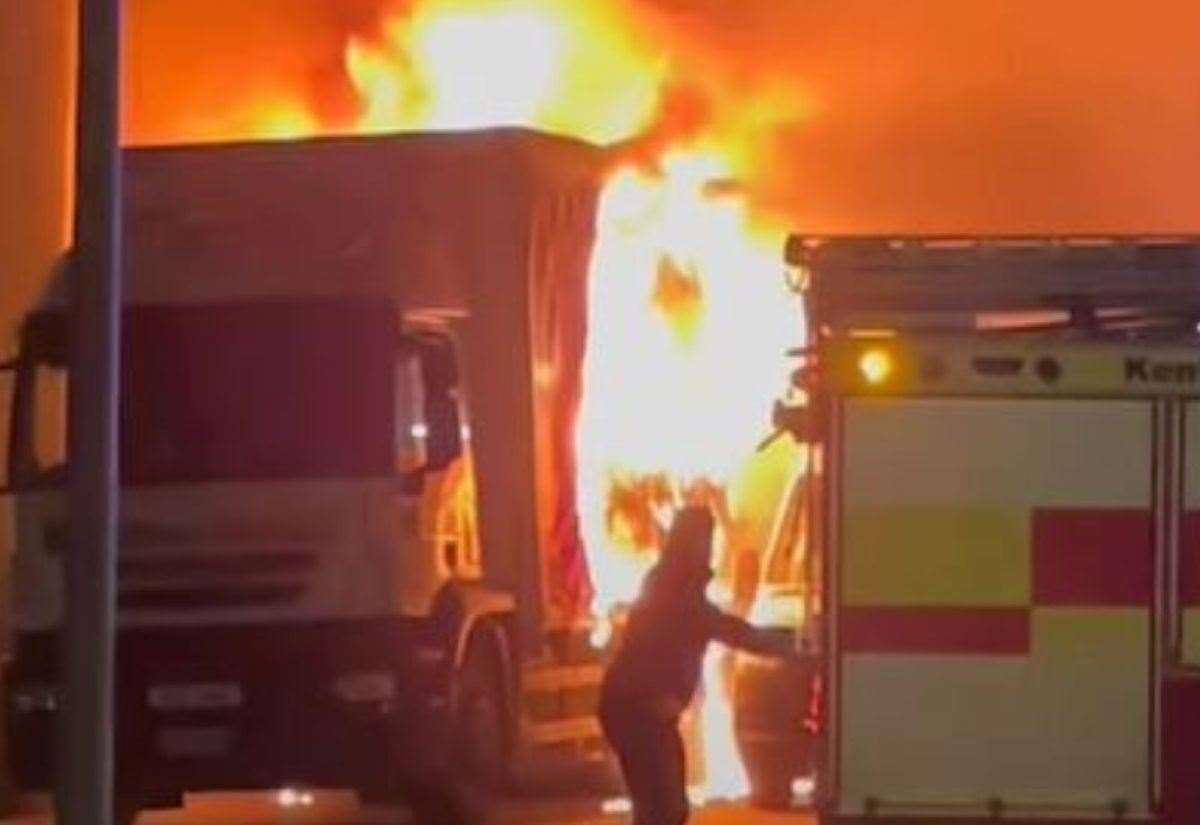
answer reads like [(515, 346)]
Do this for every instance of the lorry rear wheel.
[(484, 738)]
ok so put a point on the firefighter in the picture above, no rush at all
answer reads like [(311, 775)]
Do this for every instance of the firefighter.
[(654, 674)]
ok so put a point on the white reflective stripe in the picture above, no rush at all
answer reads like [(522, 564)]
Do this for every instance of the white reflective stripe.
[(195, 696)]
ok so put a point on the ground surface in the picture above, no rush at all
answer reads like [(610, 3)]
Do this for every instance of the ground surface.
[(341, 809)]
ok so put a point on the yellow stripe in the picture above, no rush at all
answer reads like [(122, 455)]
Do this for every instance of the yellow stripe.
[(936, 557), (1191, 636), (1114, 638)]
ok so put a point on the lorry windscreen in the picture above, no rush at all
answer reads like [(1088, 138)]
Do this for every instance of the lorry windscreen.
[(235, 391)]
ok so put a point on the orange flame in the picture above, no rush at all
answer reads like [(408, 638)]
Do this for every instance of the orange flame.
[(452, 64), (689, 315), (689, 320)]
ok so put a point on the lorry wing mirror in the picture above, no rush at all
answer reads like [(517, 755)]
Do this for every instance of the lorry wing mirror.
[(790, 419), (795, 419)]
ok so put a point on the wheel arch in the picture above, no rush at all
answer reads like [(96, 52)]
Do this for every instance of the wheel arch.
[(469, 611)]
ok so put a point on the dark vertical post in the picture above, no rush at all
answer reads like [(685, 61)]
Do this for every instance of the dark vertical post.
[(85, 793)]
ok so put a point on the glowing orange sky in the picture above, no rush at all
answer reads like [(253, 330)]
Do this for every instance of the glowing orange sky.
[(922, 115), (926, 115)]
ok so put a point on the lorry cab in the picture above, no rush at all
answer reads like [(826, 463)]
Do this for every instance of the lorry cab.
[(296, 494), (237, 419), (1006, 476)]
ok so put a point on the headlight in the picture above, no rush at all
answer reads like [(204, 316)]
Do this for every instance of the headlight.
[(35, 698)]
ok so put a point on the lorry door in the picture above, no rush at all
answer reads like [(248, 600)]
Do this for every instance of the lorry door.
[(994, 581)]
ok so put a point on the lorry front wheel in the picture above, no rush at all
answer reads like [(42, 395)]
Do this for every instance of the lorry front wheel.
[(484, 736)]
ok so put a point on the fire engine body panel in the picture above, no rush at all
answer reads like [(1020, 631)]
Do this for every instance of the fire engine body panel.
[(1007, 526), (1188, 572), (352, 367)]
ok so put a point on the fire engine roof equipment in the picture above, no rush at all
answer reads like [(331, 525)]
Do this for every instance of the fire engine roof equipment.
[(1111, 282)]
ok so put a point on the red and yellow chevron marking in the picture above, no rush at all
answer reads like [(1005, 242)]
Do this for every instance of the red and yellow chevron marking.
[(968, 583), (996, 579)]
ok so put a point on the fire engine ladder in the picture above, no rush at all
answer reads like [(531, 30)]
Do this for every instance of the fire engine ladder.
[(1126, 285)]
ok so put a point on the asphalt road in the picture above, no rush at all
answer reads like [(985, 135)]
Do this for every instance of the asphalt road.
[(342, 809)]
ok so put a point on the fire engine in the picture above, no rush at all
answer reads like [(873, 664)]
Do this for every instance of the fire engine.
[(1003, 529), (347, 543)]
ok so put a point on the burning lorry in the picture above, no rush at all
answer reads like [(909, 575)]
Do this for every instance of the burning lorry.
[(348, 542), (1003, 517)]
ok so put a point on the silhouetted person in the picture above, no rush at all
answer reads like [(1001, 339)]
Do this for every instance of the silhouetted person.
[(657, 668)]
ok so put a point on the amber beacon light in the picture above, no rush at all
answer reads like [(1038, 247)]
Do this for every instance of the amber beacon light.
[(875, 365)]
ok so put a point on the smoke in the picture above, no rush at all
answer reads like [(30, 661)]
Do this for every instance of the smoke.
[(945, 116), (35, 157), (845, 115), (198, 70)]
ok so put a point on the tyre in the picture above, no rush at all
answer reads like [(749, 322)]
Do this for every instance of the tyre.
[(483, 732)]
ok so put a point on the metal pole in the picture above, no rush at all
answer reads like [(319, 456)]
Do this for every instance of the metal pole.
[(86, 759)]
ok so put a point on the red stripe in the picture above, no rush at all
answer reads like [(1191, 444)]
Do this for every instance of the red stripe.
[(1189, 563), (1000, 631), (1092, 557), (1181, 748)]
